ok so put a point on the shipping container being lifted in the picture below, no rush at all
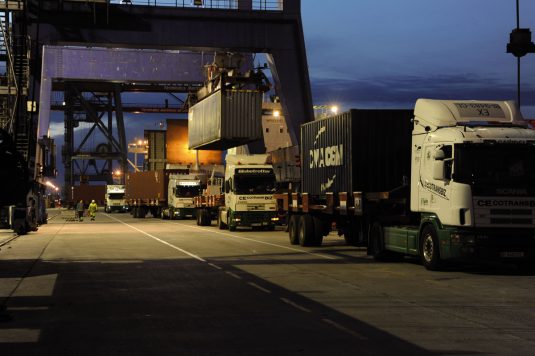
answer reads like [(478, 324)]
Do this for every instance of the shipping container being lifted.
[(228, 111)]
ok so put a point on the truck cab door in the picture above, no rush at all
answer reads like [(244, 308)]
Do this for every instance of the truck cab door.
[(435, 179)]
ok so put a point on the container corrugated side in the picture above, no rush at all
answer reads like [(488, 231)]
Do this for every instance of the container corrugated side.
[(157, 149), (225, 119), (360, 150), (147, 185), (326, 155), (88, 192), (286, 164), (382, 146)]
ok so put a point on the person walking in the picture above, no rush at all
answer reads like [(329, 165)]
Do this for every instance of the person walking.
[(80, 210), (93, 210)]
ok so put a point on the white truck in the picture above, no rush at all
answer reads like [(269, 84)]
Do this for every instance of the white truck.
[(115, 199), (247, 198), (249, 187), (182, 188), (461, 186)]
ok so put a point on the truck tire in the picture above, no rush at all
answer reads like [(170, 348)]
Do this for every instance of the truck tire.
[(206, 219), (377, 242), (306, 230), (351, 233), (430, 249), (198, 215), (141, 212), (321, 228), (293, 229), (20, 227), (220, 222)]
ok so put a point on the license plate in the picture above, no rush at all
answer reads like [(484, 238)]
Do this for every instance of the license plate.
[(256, 224), (510, 254)]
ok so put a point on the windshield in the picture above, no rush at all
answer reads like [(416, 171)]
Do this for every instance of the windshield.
[(116, 196), (186, 191), (254, 184), (497, 164)]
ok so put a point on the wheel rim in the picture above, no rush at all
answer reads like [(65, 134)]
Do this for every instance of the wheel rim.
[(428, 248)]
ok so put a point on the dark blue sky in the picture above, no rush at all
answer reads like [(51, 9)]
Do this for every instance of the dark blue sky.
[(375, 53)]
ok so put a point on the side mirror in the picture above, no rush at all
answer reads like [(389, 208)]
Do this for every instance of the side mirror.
[(227, 186)]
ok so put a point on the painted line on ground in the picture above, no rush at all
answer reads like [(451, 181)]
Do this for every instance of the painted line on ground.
[(295, 305), (159, 240), (215, 266), (259, 287), (233, 275), (257, 241), (344, 329)]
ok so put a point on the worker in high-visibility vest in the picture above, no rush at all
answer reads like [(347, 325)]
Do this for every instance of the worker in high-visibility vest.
[(92, 210)]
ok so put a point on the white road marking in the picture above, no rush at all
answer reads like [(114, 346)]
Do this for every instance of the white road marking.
[(344, 329), (259, 287), (215, 266), (295, 305), (159, 240), (233, 275), (257, 241)]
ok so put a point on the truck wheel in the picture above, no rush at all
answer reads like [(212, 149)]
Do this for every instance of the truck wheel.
[(198, 215), (293, 229), (377, 242), (141, 213), (220, 222), (306, 230), (20, 228), (321, 228), (206, 219), (429, 248), (351, 233)]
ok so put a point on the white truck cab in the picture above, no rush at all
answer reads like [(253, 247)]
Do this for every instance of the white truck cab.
[(115, 199), (249, 187), (181, 191), (473, 180)]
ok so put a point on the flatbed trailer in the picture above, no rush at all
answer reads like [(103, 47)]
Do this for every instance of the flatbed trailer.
[(207, 207)]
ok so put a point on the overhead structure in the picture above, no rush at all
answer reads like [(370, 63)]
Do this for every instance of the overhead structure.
[(91, 160), (253, 26), (272, 27)]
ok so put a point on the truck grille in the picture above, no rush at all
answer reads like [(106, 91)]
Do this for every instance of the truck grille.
[(504, 212)]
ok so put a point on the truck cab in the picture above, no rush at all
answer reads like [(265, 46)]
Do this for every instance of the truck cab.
[(249, 187), (115, 198), (472, 182), (181, 191)]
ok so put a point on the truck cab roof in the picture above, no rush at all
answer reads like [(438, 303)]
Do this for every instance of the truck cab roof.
[(443, 113)]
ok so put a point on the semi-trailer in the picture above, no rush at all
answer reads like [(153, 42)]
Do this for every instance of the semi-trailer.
[(452, 180), (165, 193)]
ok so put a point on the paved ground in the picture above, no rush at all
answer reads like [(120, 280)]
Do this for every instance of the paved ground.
[(135, 287)]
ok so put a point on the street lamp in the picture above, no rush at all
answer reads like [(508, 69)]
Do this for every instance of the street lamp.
[(138, 146)]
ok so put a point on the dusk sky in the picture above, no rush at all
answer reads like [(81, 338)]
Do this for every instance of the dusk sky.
[(375, 53), (388, 53)]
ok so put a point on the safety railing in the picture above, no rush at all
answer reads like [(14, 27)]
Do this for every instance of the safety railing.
[(250, 5)]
